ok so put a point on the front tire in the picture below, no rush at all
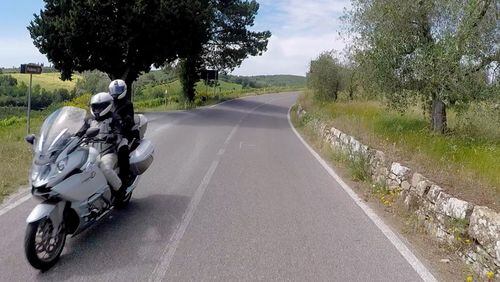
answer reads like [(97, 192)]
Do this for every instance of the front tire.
[(41, 247)]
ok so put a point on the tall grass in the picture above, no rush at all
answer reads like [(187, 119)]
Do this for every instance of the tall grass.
[(465, 161)]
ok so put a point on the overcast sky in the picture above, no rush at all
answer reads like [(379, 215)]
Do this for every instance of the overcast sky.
[(301, 30)]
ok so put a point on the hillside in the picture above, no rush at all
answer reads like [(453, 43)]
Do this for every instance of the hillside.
[(261, 81)]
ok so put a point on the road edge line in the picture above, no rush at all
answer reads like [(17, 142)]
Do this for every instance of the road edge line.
[(407, 254)]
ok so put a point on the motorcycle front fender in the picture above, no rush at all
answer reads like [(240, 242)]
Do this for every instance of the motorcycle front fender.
[(51, 210)]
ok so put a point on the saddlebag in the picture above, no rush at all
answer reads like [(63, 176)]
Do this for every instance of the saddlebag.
[(142, 157)]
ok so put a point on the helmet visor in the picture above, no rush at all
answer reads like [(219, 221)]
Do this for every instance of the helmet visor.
[(97, 108), (116, 90)]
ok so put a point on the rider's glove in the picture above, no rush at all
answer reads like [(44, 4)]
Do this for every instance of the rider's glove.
[(111, 139)]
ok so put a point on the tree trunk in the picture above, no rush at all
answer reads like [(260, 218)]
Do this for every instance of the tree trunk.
[(438, 116)]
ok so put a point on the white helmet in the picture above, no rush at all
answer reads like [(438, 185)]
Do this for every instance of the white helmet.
[(118, 89), (101, 105)]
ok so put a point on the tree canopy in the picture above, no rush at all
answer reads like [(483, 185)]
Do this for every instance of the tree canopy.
[(229, 41), (119, 38), (443, 51), (126, 38)]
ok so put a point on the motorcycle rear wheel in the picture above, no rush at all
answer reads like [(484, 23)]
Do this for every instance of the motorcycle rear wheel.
[(41, 247)]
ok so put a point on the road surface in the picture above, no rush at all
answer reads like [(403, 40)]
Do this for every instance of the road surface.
[(233, 194)]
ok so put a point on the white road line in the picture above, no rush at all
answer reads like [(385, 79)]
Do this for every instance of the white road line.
[(415, 263), (15, 203), (161, 269)]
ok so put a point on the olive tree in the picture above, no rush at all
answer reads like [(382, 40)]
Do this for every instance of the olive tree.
[(442, 51)]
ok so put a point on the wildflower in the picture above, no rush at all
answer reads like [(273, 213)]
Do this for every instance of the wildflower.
[(469, 279), (490, 275)]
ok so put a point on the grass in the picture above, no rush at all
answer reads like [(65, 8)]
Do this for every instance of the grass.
[(463, 161), (50, 81), (16, 156), (169, 96)]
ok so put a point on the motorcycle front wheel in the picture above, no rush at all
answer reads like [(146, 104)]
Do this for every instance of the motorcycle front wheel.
[(42, 246)]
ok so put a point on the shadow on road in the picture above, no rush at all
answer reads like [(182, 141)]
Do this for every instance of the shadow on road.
[(145, 226)]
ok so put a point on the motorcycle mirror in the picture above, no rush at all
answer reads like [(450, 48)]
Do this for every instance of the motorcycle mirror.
[(92, 132), (30, 138)]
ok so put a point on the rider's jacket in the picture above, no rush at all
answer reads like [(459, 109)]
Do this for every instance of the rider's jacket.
[(110, 134)]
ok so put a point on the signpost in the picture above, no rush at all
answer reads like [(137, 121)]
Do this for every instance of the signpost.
[(31, 69), (210, 75)]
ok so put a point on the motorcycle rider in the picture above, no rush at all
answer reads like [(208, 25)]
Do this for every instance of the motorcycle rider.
[(110, 131), (124, 109)]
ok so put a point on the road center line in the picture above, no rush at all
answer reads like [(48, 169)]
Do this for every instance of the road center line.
[(168, 253), (414, 262)]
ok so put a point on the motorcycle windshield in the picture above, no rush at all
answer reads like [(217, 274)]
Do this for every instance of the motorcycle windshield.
[(57, 130)]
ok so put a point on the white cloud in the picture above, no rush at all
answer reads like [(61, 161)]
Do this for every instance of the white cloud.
[(14, 51), (301, 31), (290, 55)]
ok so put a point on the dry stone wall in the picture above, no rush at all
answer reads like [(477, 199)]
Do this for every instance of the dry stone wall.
[(473, 231)]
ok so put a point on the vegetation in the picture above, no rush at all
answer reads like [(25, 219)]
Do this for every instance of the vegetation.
[(228, 42), (50, 81), (261, 81), (421, 82), (467, 156), (193, 31), (14, 94), (325, 76), (440, 53)]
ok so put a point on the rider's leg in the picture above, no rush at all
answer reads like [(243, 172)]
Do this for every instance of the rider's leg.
[(124, 162), (107, 165)]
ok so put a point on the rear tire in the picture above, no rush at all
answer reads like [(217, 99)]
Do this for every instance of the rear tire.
[(41, 248)]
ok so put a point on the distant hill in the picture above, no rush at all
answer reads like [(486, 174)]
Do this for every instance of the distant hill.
[(261, 81)]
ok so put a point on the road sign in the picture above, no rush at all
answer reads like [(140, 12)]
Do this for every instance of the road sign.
[(31, 69), (210, 75)]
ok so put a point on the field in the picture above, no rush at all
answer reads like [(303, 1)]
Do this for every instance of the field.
[(50, 81), (464, 161)]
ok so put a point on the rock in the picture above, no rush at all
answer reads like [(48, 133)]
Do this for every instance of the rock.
[(423, 187), (392, 184), (344, 138), (405, 185), (452, 207), (445, 260), (416, 178), (402, 172), (433, 193), (411, 201), (484, 226), (355, 145), (336, 132)]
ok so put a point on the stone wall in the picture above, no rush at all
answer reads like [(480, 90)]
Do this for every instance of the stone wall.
[(473, 231)]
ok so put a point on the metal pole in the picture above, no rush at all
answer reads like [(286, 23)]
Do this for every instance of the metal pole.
[(206, 86), (29, 106)]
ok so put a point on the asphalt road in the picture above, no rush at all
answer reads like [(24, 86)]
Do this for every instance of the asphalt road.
[(233, 194)]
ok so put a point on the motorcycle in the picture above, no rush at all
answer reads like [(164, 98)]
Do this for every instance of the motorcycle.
[(66, 178)]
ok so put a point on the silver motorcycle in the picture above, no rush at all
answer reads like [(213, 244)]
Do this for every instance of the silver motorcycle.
[(66, 178)]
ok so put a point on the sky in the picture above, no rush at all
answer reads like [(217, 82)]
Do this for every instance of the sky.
[(301, 30)]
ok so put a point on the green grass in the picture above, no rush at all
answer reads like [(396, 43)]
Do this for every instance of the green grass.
[(49, 81), (169, 96), (466, 162), (16, 156)]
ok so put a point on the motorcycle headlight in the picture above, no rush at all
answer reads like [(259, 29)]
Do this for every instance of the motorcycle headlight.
[(61, 164)]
